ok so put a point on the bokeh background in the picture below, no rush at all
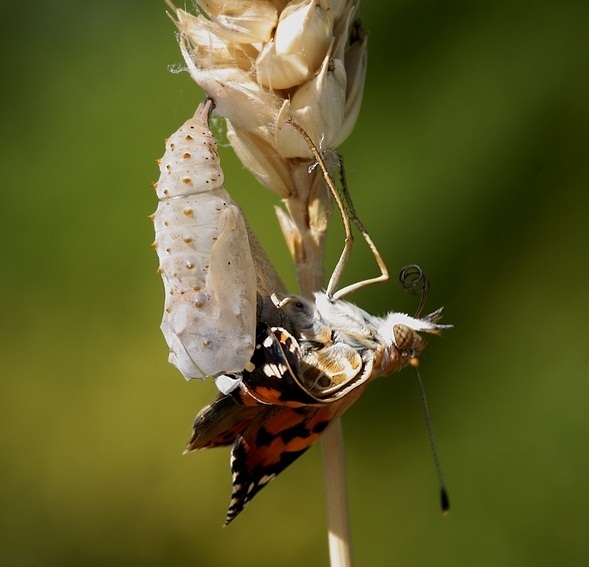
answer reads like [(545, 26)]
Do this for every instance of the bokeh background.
[(470, 157)]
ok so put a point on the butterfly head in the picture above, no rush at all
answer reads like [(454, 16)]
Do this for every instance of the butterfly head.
[(401, 331)]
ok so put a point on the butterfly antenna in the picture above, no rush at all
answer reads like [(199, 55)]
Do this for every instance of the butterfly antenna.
[(414, 282), (444, 500)]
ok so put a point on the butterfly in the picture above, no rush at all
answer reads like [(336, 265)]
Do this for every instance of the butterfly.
[(286, 366)]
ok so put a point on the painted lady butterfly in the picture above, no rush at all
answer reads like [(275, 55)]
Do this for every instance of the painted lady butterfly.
[(297, 387), (307, 361)]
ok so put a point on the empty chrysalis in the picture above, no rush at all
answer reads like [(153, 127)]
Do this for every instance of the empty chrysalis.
[(206, 264)]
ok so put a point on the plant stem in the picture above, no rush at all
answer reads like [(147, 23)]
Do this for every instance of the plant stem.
[(336, 496), (310, 211)]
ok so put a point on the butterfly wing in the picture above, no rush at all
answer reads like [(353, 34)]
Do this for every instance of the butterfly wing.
[(219, 423), (277, 376), (288, 426), (270, 421), (268, 445)]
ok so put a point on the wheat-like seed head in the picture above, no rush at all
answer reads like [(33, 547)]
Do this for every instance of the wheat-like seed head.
[(264, 62)]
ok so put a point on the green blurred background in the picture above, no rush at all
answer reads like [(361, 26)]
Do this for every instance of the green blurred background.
[(470, 157)]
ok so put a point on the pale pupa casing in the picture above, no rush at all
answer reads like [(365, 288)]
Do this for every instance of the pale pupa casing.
[(209, 276)]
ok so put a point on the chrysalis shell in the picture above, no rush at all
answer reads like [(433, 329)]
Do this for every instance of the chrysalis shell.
[(209, 319)]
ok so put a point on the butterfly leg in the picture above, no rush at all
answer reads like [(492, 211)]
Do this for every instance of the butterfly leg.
[(348, 213)]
